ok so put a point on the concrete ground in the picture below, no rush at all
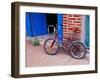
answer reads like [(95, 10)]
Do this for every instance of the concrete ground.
[(36, 56)]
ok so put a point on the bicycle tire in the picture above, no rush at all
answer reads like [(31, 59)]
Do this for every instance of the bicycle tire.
[(46, 49), (73, 53)]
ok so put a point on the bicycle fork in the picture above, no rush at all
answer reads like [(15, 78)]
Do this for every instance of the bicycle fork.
[(53, 42)]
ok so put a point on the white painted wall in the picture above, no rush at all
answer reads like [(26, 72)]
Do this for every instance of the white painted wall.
[(83, 29)]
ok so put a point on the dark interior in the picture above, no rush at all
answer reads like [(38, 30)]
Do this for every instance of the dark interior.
[(51, 20)]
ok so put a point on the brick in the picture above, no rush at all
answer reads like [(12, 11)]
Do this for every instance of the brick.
[(71, 18), (64, 32), (65, 15), (65, 18), (70, 28), (64, 38), (79, 24), (79, 18), (65, 35), (69, 15), (64, 21), (64, 27), (76, 21), (70, 24), (64, 24), (76, 15), (69, 21), (64, 41)]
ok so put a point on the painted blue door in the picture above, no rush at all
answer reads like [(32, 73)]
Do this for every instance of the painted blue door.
[(60, 27), (36, 24), (87, 28), (28, 27)]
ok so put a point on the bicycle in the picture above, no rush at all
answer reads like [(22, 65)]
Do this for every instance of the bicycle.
[(73, 45)]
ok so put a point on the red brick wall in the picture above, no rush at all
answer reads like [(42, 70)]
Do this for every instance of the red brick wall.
[(71, 21)]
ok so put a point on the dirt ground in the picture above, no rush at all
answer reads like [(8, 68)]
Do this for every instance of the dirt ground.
[(36, 56)]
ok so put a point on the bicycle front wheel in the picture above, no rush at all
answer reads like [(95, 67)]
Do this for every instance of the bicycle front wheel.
[(51, 46), (78, 50)]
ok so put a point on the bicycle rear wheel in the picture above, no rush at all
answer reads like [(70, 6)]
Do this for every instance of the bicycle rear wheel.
[(78, 50), (51, 46)]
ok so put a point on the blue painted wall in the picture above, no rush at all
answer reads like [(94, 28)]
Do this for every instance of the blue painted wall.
[(60, 27), (36, 24), (28, 27)]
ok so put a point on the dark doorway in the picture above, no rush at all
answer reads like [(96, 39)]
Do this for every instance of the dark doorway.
[(51, 20)]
